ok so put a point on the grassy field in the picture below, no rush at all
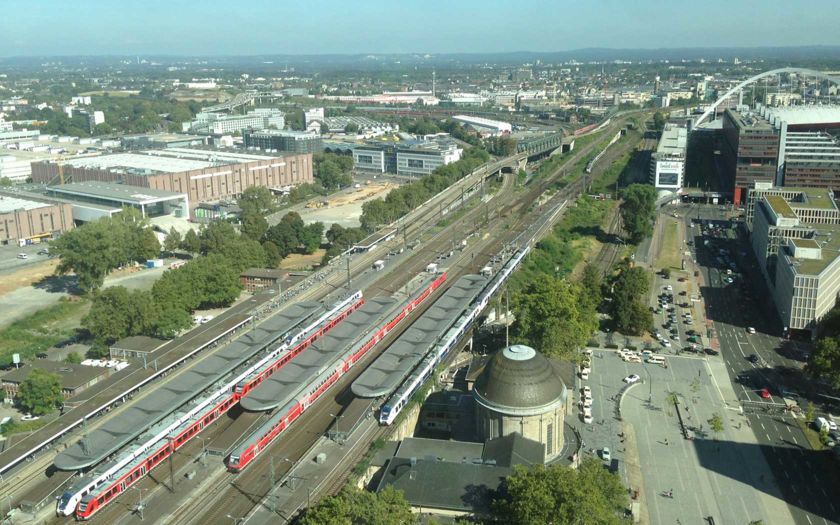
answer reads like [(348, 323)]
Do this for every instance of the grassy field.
[(669, 250), (297, 261), (41, 330)]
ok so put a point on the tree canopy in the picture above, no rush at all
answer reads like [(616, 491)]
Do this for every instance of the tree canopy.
[(824, 361), (628, 309), (332, 170), (638, 211), (552, 316), (257, 199), (115, 241), (117, 312), (353, 506), (560, 495), (40, 392)]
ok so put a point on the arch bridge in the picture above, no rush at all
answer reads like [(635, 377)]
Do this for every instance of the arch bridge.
[(781, 71)]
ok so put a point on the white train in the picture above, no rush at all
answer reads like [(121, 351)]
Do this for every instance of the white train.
[(403, 394)]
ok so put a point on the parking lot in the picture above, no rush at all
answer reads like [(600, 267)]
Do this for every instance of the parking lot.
[(9, 259), (698, 471)]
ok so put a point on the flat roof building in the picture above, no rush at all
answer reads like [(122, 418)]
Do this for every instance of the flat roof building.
[(162, 141), (26, 219), (413, 158), (220, 124), (283, 140), (108, 196), (750, 151), (808, 277), (203, 175), (484, 126), (136, 346), (667, 164)]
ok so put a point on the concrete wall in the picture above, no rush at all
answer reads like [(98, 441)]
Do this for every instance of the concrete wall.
[(492, 424)]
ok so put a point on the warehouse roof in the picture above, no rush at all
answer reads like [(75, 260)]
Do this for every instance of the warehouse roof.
[(115, 192), (170, 160), (9, 204), (799, 115)]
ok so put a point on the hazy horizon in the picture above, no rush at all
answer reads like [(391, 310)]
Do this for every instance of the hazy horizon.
[(330, 27)]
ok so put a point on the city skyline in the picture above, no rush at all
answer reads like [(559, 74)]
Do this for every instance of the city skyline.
[(90, 27)]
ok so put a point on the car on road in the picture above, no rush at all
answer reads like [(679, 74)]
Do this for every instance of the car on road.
[(587, 417), (752, 358), (675, 337), (45, 251), (605, 454), (666, 343), (710, 351), (822, 422), (764, 393), (22, 256), (750, 330), (632, 378), (587, 392)]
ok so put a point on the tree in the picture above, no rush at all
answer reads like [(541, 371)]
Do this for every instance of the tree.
[(638, 211), (253, 224), (74, 249), (312, 235), (351, 127), (824, 361), (666, 273), (172, 241), (354, 506), (549, 317), (215, 235), (558, 494), (148, 246), (333, 170), (272, 254), (116, 312), (810, 411), (191, 242), (73, 358), (258, 199), (592, 284), (40, 392), (716, 424), (628, 309), (6, 181), (659, 120)]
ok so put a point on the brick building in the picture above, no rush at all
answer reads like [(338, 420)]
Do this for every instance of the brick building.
[(32, 220)]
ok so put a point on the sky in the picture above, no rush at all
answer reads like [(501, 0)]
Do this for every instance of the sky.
[(251, 27)]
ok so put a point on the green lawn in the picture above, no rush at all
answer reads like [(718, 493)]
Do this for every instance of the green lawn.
[(669, 250)]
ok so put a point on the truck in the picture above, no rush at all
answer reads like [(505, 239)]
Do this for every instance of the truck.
[(378, 265), (431, 268)]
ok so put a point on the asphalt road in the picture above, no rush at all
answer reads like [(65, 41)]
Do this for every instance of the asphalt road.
[(808, 479)]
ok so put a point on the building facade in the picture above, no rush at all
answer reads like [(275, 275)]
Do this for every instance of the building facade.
[(410, 158), (203, 175), (219, 124), (24, 220), (667, 164), (283, 140), (520, 391), (750, 151)]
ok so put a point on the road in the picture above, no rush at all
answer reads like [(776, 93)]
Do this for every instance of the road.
[(809, 479)]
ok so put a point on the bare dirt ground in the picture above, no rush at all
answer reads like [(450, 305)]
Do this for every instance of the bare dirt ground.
[(298, 261), (346, 207), (27, 275)]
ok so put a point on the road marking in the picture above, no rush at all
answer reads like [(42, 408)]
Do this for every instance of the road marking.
[(762, 427), (823, 491), (793, 488), (809, 518), (789, 430), (794, 439), (768, 437)]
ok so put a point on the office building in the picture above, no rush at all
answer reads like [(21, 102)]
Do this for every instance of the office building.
[(312, 115), (283, 140), (364, 126), (28, 219), (413, 158), (667, 164), (219, 124), (750, 151), (811, 205), (810, 159), (808, 278), (202, 175)]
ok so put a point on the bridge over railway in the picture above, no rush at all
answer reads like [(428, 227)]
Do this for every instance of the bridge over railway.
[(242, 99)]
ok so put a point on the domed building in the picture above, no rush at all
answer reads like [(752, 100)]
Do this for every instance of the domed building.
[(520, 390)]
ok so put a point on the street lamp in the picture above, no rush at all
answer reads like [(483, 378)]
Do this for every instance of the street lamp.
[(335, 424), (141, 505)]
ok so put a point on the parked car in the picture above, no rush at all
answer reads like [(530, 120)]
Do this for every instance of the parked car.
[(29, 417), (632, 378), (22, 256), (764, 393), (605, 454), (710, 351), (750, 330)]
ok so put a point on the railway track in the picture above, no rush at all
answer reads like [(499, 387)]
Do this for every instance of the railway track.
[(505, 202)]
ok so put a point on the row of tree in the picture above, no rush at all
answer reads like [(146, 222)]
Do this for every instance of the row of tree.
[(628, 308), (824, 361), (528, 496), (638, 211), (402, 200), (95, 248)]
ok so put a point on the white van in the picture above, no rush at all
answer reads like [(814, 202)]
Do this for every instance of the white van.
[(821, 422), (656, 360)]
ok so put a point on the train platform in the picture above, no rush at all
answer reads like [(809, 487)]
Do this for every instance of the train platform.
[(283, 385), (168, 397), (385, 374), (243, 425), (114, 386)]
